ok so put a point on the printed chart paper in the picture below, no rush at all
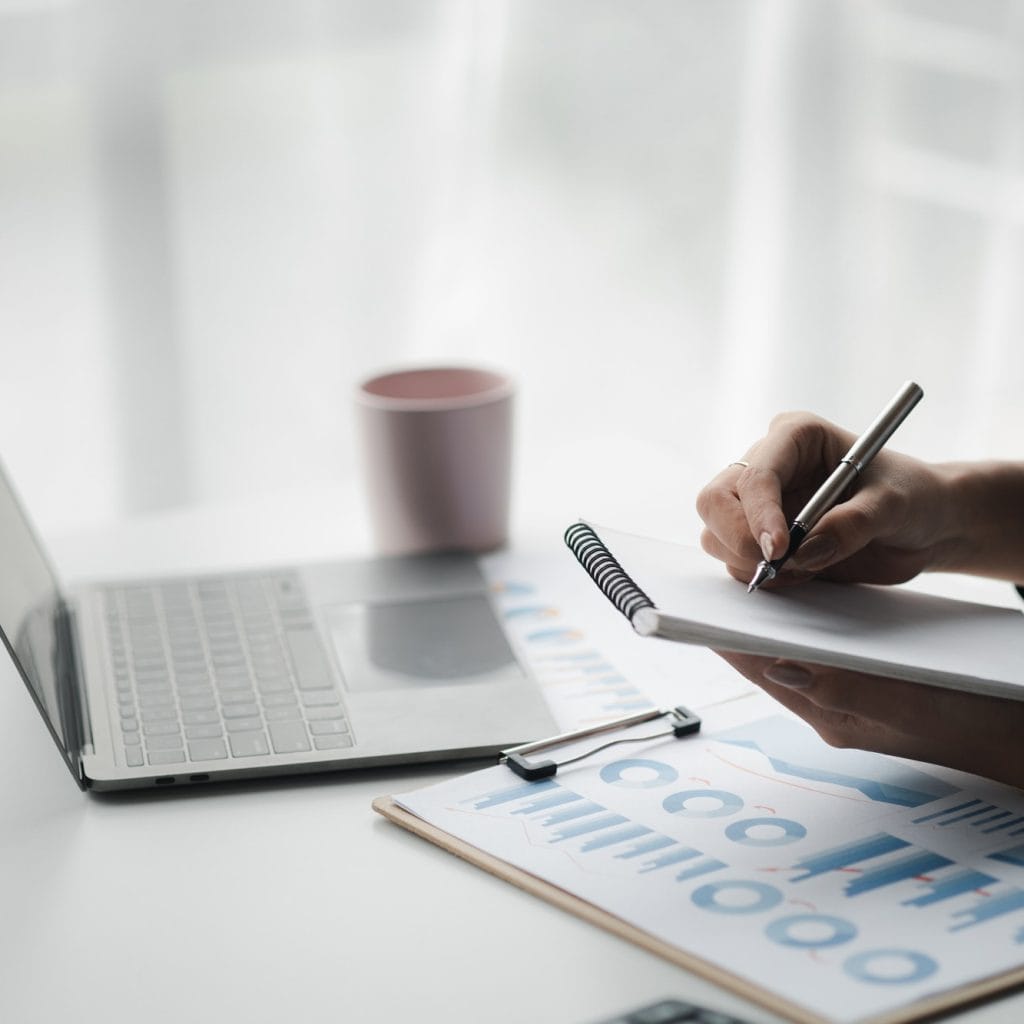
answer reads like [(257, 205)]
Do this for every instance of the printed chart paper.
[(848, 883), (604, 670)]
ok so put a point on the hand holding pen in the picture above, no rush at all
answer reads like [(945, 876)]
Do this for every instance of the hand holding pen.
[(839, 481), (813, 499), (901, 516)]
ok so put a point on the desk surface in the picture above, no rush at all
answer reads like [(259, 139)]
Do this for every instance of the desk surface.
[(277, 901)]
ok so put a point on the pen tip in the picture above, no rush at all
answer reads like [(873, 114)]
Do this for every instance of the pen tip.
[(765, 571)]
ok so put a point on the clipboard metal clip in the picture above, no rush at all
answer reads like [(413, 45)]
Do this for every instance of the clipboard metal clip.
[(682, 722)]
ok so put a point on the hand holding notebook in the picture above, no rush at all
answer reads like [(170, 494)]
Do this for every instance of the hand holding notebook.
[(905, 516)]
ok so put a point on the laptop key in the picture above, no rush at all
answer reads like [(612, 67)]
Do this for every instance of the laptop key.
[(320, 698), (276, 700), (332, 742), (133, 756), (204, 717), (160, 728), (163, 742), (198, 703), (288, 737), (329, 728), (248, 744), (203, 732), (327, 711), (207, 750), (244, 724), (282, 714), (159, 714), (309, 661), (166, 756)]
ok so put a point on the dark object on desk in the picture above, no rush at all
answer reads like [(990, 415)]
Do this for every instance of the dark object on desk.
[(298, 669), (673, 1011), (682, 722)]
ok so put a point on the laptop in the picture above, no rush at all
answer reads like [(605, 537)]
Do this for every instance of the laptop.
[(187, 680)]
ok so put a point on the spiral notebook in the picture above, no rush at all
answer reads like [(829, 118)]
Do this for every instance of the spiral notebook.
[(678, 593)]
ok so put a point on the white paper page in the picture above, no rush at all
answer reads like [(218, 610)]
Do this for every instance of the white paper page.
[(590, 664), (888, 630), (846, 882)]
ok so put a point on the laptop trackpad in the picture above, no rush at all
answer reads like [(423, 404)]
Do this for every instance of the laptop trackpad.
[(434, 641)]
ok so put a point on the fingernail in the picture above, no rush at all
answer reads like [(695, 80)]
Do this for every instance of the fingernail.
[(767, 547), (815, 553), (783, 673)]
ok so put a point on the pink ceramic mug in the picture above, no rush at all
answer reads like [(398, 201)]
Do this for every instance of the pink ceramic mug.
[(437, 449)]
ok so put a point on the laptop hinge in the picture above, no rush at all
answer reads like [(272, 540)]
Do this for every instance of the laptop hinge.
[(74, 710)]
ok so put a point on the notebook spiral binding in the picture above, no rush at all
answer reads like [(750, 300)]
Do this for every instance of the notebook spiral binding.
[(603, 568)]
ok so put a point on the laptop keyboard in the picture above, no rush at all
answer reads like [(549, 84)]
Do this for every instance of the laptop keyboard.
[(217, 669)]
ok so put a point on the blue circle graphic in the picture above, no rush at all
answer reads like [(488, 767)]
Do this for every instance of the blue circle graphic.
[(781, 931), (677, 803), (707, 897), (918, 966), (663, 773), (791, 831)]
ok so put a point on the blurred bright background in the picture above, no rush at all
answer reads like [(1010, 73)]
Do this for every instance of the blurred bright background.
[(668, 219)]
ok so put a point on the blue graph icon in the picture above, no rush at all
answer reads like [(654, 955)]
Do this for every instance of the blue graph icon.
[(1009, 903), (794, 750), (652, 773), (977, 814), (691, 803), (914, 865), (758, 896), (505, 796), (890, 966), (855, 852), (811, 931), (951, 886), (1012, 855), (788, 831)]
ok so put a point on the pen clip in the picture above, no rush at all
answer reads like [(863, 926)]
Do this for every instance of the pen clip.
[(683, 722)]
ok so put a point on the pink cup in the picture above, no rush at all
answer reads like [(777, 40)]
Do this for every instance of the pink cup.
[(437, 448)]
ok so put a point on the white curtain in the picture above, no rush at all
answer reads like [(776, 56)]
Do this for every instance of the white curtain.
[(667, 218)]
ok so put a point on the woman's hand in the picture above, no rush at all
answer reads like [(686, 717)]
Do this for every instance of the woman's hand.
[(898, 520), (850, 709)]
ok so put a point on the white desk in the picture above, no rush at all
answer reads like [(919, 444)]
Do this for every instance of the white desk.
[(284, 901)]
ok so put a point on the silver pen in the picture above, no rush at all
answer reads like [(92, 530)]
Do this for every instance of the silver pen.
[(864, 449)]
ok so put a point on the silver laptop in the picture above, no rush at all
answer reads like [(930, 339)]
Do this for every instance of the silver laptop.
[(191, 680)]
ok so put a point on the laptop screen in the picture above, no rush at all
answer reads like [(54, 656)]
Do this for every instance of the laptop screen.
[(30, 600)]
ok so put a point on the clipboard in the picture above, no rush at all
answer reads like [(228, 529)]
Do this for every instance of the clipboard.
[(940, 1004), (960, 998)]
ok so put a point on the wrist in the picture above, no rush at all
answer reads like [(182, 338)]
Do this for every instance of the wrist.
[(982, 519)]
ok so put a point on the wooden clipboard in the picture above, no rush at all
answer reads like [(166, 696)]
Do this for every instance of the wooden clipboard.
[(938, 1005)]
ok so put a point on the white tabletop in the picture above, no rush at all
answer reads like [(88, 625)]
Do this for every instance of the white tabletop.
[(274, 901)]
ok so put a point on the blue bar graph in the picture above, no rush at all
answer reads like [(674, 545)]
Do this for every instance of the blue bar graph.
[(996, 906), (647, 846), (849, 853), (1004, 825), (668, 859), (1011, 855), (619, 836), (586, 827), (947, 888), (946, 810), (705, 867), (547, 802), (577, 810), (506, 796), (991, 818), (911, 866)]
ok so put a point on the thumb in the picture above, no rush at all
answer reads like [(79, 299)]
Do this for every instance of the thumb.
[(842, 532)]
